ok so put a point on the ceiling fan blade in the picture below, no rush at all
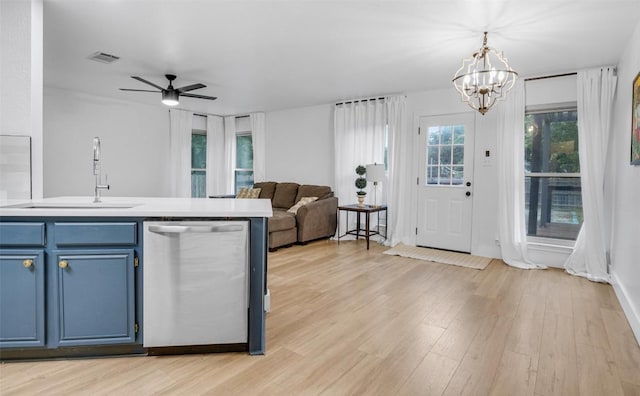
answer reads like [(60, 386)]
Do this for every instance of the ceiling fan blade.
[(147, 82), (199, 96), (191, 87), (138, 90)]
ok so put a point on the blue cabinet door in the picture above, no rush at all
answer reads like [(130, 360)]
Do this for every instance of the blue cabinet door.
[(22, 298), (95, 297)]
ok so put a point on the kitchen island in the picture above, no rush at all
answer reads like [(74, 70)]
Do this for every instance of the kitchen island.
[(72, 272)]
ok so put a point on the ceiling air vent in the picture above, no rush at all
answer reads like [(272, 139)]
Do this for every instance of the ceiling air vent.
[(103, 57)]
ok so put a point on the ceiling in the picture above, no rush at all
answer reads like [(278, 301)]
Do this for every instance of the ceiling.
[(272, 55)]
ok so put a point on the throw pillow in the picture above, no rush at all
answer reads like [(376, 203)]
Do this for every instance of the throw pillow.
[(248, 193), (303, 201)]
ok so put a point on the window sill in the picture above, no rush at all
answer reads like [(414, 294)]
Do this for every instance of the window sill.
[(550, 252), (550, 244)]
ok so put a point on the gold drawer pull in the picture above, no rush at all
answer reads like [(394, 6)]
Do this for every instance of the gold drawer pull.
[(63, 264), (27, 263)]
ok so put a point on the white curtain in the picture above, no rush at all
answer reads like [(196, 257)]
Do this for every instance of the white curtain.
[(359, 132), (596, 89), (258, 139), (511, 227), (230, 154), (216, 173), (180, 125), (401, 162)]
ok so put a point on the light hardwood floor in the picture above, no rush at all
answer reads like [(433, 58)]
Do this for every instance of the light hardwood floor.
[(349, 321)]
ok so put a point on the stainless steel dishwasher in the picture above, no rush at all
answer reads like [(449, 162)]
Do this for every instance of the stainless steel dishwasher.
[(195, 283)]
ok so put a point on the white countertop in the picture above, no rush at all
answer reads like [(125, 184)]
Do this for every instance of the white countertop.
[(137, 207)]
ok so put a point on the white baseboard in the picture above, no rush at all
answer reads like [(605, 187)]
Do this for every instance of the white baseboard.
[(633, 317)]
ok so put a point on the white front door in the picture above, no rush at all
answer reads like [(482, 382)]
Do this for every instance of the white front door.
[(445, 185)]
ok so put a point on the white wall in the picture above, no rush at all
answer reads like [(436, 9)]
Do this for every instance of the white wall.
[(21, 76), (551, 90), (300, 145), (623, 189), (134, 141)]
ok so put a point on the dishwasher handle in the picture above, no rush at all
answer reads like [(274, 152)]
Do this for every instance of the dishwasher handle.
[(180, 229)]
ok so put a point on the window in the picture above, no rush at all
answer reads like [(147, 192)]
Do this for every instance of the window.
[(386, 147), (244, 161), (198, 164), (243, 172), (553, 193), (445, 155)]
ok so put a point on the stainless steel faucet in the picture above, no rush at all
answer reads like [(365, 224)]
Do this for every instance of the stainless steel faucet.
[(97, 169)]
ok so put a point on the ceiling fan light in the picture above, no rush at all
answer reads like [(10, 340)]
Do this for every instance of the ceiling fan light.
[(169, 98)]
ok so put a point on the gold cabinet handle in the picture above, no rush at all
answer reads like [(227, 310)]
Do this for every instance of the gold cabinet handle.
[(27, 263), (63, 264)]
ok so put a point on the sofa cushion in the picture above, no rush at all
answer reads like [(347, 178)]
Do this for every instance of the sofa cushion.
[(282, 238), (300, 203), (281, 220), (306, 190), (248, 193), (285, 195), (266, 189)]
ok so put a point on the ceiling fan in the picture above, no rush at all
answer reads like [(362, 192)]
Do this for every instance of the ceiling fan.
[(170, 95)]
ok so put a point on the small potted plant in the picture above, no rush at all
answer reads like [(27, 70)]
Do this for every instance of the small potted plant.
[(361, 183)]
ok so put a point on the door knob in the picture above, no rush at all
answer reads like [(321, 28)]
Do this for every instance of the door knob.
[(27, 263), (468, 184), (468, 193), (63, 264)]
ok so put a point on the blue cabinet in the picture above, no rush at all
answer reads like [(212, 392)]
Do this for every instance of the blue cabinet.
[(22, 318), (70, 284), (95, 297)]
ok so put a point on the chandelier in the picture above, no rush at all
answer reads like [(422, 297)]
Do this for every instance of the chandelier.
[(484, 78)]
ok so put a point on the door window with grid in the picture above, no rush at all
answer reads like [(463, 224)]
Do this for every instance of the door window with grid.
[(445, 155)]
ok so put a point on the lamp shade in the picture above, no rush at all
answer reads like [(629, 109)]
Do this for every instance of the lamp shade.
[(375, 172)]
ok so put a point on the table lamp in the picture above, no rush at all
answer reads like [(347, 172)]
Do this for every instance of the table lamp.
[(375, 174)]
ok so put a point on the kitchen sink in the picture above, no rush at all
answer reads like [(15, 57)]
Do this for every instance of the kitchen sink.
[(71, 205)]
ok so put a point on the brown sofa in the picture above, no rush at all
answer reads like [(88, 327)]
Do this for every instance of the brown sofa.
[(314, 220)]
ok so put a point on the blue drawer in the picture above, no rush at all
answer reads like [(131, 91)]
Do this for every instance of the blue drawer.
[(95, 234), (22, 234)]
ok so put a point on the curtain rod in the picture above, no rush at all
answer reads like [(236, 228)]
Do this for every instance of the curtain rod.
[(358, 100), (551, 76), (204, 115), (201, 115), (615, 70)]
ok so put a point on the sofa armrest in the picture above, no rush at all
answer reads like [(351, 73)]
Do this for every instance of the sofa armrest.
[(317, 219)]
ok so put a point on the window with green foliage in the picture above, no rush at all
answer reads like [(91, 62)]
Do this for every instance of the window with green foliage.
[(198, 164), (553, 193), (244, 161), (243, 172)]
